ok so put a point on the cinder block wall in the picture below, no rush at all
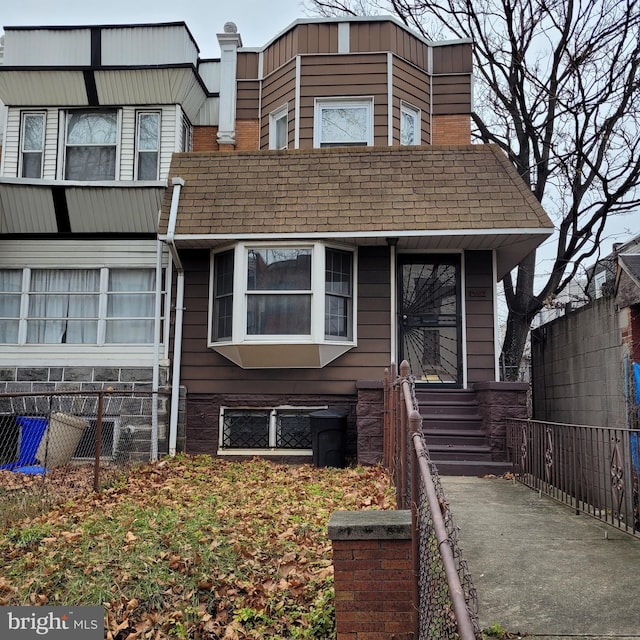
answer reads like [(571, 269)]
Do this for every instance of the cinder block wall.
[(374, 575)]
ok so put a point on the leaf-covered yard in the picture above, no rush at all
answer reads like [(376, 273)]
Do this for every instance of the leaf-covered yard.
[(194, 548)]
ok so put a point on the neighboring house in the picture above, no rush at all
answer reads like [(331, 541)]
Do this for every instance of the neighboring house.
[(581, 363), (361, 230), (93, 117)]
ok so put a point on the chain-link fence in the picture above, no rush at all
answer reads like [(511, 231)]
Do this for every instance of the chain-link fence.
[(447, 599), (54, 446)]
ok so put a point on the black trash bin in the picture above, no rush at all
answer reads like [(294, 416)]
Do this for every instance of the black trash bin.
[(328, 437)]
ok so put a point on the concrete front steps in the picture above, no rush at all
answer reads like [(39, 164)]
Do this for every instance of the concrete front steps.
[(453, 431)]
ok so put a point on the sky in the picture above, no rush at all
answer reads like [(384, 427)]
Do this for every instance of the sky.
[(258, 21)]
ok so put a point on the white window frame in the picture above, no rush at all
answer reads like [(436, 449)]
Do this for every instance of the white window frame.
[(407, 109), (64, 125), (139, 151), (273, 425), (276, 118), (102, 318), (599, 279), (322, 104), (318, 296), (24, 115)]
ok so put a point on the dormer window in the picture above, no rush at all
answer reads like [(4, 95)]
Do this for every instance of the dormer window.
[(32, 145), (91, 145)]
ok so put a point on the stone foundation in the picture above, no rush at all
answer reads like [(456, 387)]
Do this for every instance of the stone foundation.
[(370, 420), (499, 402)]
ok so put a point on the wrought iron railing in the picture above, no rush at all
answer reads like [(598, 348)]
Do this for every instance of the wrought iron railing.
[(445, 596), (595, 470)]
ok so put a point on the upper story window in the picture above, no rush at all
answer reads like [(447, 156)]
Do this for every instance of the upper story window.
[(91, 145), (343, 122), (147, 145), (282, 293), (77, 306), (409, 124), (32, 145), (279, 128)]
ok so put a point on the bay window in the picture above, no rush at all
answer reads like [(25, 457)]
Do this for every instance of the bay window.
[(91, 145), (282, 294), (77, 306)]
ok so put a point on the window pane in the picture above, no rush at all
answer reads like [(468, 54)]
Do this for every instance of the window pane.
[(33, 132), (245, 429), (8, 331), (32, 165), (90, 163), (92, 128), (345, 124), (131, 305), (9, 305), (148, 130), (129, 331), (10, 286), (337, 317), (147, 166), (281, 132), (278, 314), (10, 280), (132, 280), (279, 270), (223, 296), (338, 272)]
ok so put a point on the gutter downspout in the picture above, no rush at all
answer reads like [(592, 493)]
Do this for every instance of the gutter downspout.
[(155, 385), (177, 183)]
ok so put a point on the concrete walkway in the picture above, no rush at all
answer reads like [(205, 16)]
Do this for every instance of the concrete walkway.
[(541, 570)]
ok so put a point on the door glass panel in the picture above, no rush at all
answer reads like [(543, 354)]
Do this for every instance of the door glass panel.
[(429, 323)]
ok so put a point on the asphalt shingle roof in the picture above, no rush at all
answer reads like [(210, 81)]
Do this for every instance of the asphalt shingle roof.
[(351, 190)]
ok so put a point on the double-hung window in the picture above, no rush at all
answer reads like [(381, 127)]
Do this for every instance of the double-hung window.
[(147, 145), (91, 145), (279, 128), (409, 124), (77, 306), (282, 294), (343, 122), (32, 145)]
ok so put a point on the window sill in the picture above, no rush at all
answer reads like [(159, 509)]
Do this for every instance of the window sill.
[(265, 452), (283, 355)]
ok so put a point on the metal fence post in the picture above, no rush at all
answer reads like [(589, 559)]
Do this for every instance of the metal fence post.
[(96, 463)]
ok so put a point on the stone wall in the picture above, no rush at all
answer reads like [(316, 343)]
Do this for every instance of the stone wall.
[(131, 410), (499, 402), (370, 421)]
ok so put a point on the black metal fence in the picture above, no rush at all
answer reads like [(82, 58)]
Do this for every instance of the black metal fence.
[(446, 598), (54, 446), (595, 470)]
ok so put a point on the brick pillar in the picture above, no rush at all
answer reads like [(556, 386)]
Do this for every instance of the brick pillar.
[(374, 575)]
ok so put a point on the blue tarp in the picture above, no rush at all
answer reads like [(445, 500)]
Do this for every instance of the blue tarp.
[(31, 432)]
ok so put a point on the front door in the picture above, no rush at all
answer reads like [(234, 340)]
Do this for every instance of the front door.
[(429, 323)]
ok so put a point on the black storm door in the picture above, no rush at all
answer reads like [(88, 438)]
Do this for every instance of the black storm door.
[(429, 324)]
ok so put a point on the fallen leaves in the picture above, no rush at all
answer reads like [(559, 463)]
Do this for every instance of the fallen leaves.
[(194, 548)]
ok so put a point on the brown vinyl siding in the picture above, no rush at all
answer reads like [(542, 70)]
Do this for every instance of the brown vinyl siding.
[(451, 95), (277, 89), (387, 36), (343, 76), (248, 100), (247, 65), (413, 86), (479, 316), (452, 58), (302, 39), (204, 371)]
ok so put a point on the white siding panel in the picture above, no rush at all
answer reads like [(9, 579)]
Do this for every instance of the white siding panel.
[(210, 73), (169, 137), (209, 113), (38, 88), (51, 144), (47, 47), (127, 143), (152, 45), (26, 210), (10, 146), (97, 253), (114, 210)]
